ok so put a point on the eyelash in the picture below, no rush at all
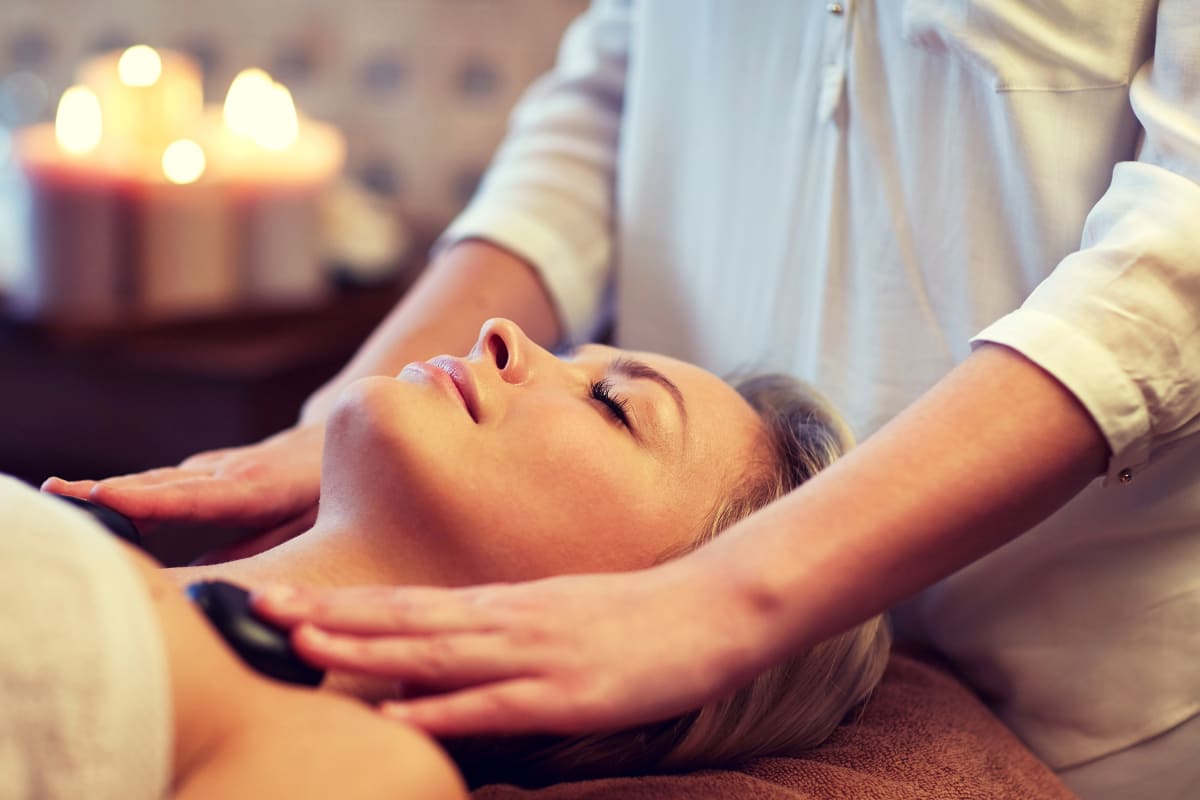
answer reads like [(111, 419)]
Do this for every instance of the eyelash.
[(602, 391)]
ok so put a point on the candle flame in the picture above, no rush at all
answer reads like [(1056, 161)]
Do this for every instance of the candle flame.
[(183, 162), (242, 103), (263, 110), (140, 66), (280, 127), (79, 124)]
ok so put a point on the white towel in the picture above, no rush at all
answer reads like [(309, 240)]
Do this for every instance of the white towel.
[(84, 691)]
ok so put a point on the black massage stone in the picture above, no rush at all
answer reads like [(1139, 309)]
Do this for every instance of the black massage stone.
[(264, 646)]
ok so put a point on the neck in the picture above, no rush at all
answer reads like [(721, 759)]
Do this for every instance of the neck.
[(336, 551)]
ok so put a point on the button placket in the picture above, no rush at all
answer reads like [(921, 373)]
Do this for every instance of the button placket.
[(833, 73)]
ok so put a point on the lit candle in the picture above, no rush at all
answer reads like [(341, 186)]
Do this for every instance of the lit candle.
[(81, 218), (278, 165), (186, 265), (79, 124)]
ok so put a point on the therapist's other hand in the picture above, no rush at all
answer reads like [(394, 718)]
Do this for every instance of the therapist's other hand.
[(258, 486), (563, 655)]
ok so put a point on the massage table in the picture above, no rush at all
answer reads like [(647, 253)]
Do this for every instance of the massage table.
[(921, 736)]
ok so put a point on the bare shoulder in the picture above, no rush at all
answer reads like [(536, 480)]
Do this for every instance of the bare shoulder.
[(402, 761), (299, 743)]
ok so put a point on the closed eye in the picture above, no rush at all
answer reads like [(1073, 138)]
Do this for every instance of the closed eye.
[(602, 391)]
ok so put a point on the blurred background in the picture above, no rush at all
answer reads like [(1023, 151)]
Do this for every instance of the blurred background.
[(420, 90)]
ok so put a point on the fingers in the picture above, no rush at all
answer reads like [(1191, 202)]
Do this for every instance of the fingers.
[(114, 492), (80, 489), (151, 477), (210, 460), (513, 707), (83, 488), (376, 610), (181, 495), (437, 662), (253, 486), (186, 496)]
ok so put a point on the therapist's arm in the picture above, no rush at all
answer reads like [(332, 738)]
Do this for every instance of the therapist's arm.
[(992, 449), (277, 480)]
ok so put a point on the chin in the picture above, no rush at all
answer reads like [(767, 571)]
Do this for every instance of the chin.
[(373, 434)]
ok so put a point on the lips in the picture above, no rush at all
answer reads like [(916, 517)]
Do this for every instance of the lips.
[(464, 382)]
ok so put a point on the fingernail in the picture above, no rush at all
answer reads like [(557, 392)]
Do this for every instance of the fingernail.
[(396, 711), (320, 638), (277, 594)]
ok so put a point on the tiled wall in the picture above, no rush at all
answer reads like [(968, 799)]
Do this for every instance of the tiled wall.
[(420, 87)]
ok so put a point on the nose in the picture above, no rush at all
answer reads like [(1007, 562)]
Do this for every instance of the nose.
[(503, 344)]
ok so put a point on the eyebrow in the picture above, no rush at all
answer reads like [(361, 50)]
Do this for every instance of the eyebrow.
[(638, 370)]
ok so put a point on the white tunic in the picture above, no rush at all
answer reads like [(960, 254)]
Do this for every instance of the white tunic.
[(852, 196)]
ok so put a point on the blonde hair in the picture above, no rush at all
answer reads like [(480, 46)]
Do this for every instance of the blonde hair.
[(785, 709)]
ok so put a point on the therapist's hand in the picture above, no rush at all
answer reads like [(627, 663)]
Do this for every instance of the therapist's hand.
[(563, 655), (258, 486)]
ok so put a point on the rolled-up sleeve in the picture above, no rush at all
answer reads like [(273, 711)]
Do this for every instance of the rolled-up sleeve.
[(1118, 321), (547, 196)]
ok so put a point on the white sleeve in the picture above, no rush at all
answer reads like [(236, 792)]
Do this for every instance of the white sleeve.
[(1118, 321), (547, 196)]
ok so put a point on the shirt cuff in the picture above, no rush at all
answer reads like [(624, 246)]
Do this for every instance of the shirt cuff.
[(1088, 371), (559, 267)]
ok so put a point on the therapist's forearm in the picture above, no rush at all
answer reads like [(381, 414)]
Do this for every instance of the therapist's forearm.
[(464, 286), (991, 450)]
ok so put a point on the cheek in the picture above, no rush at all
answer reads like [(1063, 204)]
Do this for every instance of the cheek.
[(559, 506)]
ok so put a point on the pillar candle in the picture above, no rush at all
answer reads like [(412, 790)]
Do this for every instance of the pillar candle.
[(82, 237), (276, 193), (187, 264)]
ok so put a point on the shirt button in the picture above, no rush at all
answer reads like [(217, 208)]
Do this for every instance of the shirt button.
[(835, 8), (1125, 475)]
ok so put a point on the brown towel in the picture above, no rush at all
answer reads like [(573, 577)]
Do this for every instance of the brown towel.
[(922, 735)]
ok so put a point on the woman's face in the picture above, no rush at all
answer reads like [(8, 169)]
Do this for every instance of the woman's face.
[(513, 464)]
